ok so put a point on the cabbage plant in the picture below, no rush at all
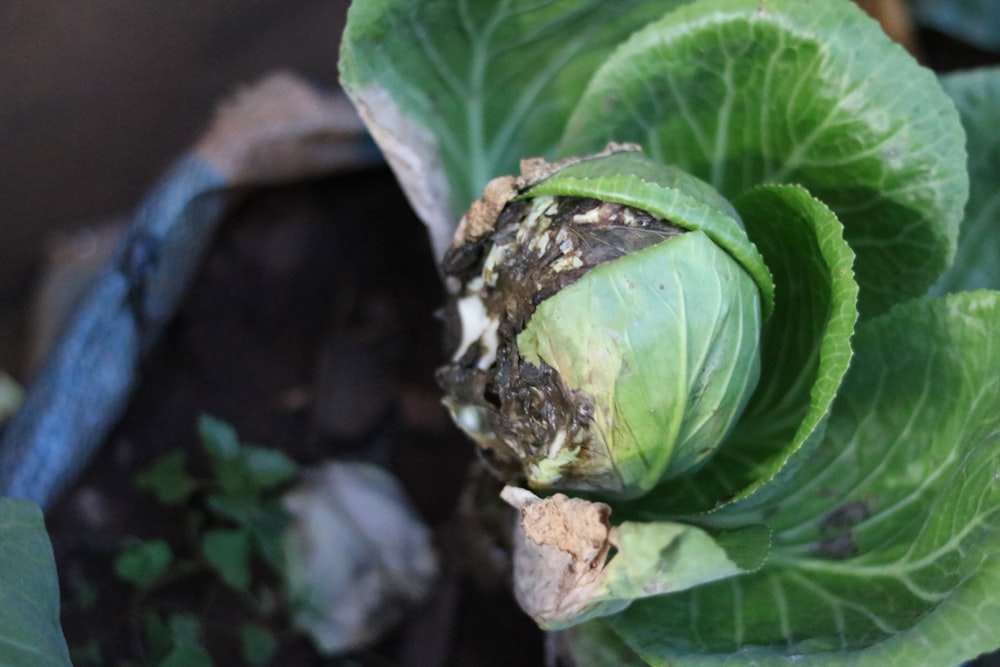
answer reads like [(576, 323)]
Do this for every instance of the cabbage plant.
[(603, 347), (747, 404)]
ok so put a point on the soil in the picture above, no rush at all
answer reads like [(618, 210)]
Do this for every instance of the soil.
[(312, 329)]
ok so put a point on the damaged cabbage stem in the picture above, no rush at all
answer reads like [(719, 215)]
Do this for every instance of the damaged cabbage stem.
[(605, 314)]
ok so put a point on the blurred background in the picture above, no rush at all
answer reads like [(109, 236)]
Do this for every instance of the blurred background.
[(97, 98)]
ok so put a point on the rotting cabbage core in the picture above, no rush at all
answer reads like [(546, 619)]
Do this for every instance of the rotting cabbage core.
[(526, 419)]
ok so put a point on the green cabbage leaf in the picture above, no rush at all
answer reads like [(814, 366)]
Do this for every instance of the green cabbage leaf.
[(869, 451)]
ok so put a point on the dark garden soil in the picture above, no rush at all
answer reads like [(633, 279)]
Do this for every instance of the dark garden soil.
[(311, 328)]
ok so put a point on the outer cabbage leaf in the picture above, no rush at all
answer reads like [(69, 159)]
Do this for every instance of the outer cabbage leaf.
[(457, 92), (888, 535), (805, 351), (742, 92), (977, 263), (29, 591), (571, 564), (632, 179)]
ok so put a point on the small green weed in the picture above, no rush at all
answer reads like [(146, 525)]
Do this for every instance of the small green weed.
[(234, 521)]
